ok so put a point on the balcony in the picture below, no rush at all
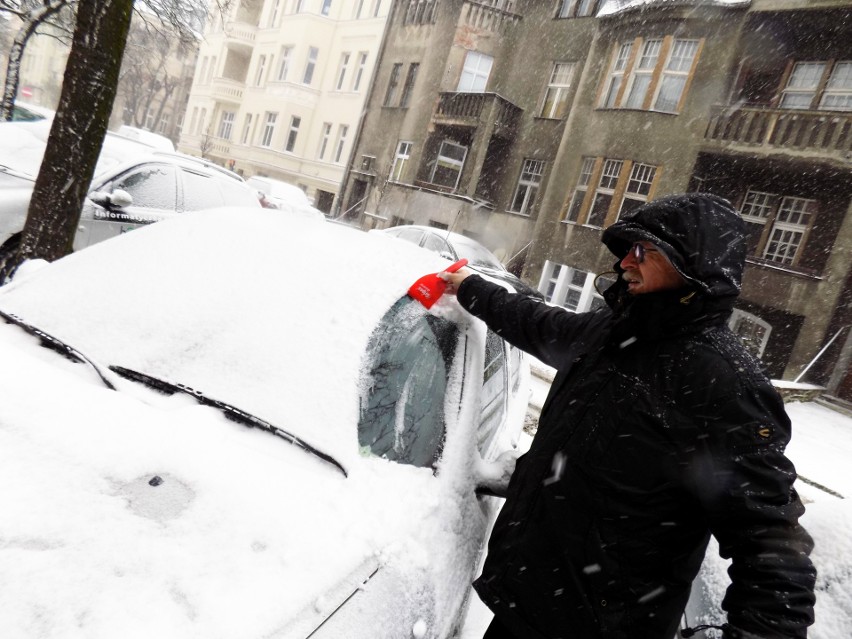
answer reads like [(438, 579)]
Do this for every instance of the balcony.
[(486, 110), (227, 90), (806, 134), (240, 35), (489, 15)]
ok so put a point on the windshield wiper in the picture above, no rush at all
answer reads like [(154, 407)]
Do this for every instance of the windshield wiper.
[(231, 412), (56, 344)]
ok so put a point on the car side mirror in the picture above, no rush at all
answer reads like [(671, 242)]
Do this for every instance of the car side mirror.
[(120, 198), (117, 199), (492, 478)]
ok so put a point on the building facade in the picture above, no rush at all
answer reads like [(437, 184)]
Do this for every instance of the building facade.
[(280, 88), (534, 125)]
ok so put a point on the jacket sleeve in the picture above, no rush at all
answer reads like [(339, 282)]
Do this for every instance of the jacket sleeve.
[(546, 332), (744, 485)]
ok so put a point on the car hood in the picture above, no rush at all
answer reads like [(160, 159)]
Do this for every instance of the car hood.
[(174, 521)]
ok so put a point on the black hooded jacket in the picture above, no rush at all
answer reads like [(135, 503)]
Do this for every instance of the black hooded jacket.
[(659, 430)]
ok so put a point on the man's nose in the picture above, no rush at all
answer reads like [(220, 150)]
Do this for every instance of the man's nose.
[(629, 261)]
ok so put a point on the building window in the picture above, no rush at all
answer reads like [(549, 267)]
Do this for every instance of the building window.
[(226, 123), (576, 8), (777, 225), (803, 89), (474, 76), (622, 185), (326, 135), (449, 164), (527, 189), (359, 5), (420, 12), (400, 161), (570, 288), (326, 7), (341, 70), (268, 129), (788, 232), (192, 128), (284, 63), (408, 87), (359, 72), (261, 66), (201, 121), (753, 331), (393, 84), (656, 78), (675, 75), (341, 142), (605, 192), (295, 123), (638, 187), (165, 118), (300, 6), (273, 15), (246, 129), (616, 75), (377, 7), (581, 189), (313, 54), (640, 79), (555, 102)]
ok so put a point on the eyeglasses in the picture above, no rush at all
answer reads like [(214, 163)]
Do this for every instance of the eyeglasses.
[(638, 251)]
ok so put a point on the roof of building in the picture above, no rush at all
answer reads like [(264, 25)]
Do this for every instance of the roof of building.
[(612, 7)]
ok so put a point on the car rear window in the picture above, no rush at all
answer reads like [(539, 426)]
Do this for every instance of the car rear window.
[(407, 368)]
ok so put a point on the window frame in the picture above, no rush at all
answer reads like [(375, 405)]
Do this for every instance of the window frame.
[(408, 86), (472, 74), (340, 143), (559, 90), (776, 205), (284, 63), (267, 134), (342, 68), (226, 124), (393, 84), (529, 179), (624, 68), (310, 65), (292, 133), (450, 160), (738, 317), (325, 136), (820, 90), (400, 160)]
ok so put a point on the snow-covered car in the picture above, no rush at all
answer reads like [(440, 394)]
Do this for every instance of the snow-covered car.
[(254, 432), (134, 184), (25, 112), (455, 246), (284, 196)]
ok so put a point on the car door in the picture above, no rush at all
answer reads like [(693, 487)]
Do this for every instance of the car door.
[(153, 189)]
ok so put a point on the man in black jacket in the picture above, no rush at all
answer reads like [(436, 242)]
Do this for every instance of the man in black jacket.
[(659, 430)]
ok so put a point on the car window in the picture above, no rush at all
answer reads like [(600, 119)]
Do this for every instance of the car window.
[(477, 254), (407, 367), (236, 193), (150, 185), (438, 245), (411, 235), (493, 391), (200, 191)]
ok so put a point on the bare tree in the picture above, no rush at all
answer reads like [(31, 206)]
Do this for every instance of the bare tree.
[(182, 19), (32, 15), (77, 133)]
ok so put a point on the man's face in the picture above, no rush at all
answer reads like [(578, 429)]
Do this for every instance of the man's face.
[(650, 273)]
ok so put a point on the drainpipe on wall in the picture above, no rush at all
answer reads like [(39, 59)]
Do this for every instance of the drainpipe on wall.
[(822, 350)]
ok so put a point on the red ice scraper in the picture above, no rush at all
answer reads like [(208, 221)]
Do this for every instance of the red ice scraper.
[(429, 288)]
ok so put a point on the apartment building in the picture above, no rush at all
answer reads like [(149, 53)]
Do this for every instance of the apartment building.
[(280, 88), (534, 125)]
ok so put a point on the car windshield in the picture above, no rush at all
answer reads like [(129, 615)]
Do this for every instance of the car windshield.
[(475, 253), (407, 370)]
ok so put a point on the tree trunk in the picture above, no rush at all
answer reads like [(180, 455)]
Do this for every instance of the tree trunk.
[(78, 131)]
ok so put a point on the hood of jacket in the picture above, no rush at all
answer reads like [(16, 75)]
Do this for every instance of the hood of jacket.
[(702, 235)]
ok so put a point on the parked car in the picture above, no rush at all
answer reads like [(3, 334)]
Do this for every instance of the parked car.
[(25, 112), (134, 185), (159, 142), (338, 498), (275, 194), (455, 246)]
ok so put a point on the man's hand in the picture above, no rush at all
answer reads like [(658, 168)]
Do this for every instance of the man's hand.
[(454, 280)]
